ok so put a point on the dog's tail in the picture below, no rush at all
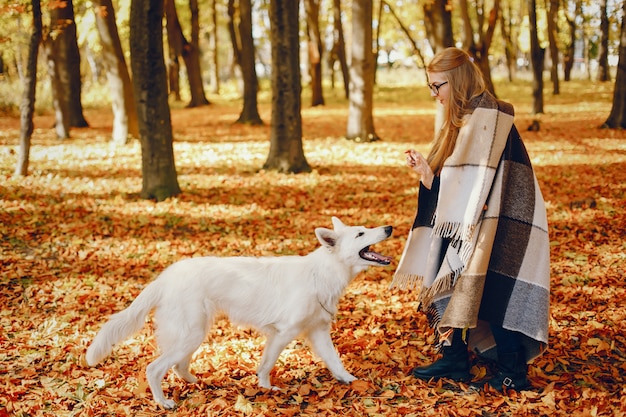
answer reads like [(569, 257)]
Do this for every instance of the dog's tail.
[(122, 325)]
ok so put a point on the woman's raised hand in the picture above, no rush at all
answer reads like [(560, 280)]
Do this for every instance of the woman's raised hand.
[(419, 164)]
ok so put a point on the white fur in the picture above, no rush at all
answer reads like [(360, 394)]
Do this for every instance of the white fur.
[(283, 296)]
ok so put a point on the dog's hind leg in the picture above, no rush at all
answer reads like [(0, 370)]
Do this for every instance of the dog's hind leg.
[(323, 346), (276, 343), (177, 343)]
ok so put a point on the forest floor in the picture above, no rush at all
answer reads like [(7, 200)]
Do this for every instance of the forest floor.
[(77, 244)]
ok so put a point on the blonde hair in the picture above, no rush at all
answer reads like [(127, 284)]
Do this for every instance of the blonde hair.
[(466, 82)]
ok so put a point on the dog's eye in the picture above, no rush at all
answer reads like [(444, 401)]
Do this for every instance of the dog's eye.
[(360, 234)]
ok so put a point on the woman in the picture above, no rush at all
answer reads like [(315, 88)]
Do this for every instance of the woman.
[(478, 249)]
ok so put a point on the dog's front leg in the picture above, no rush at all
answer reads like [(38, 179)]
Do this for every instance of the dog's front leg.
[(323, 346), (276, 343)]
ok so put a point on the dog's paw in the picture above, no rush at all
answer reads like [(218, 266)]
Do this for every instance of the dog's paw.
[(346, 379), (168, 404)]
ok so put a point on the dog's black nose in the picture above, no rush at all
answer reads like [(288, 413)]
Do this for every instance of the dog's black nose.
[(388, 230)]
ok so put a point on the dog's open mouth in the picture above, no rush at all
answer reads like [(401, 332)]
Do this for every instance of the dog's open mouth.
[(372, 256)]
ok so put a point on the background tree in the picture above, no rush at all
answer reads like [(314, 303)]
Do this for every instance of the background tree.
[(338, 51), (438, 24), (537, 54), (570, 49), (286, 153), (477, 37), (553, 12), (27, 106), (509, 22), (114, 63), (187, 50), (213, 50), (315, 50), (66, 59), (604, 72), (247, 53), (150, 87), (617, 117), (360, 115)]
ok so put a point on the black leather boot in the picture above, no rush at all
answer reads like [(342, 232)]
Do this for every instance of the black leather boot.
[(512, 370), (454, 364)]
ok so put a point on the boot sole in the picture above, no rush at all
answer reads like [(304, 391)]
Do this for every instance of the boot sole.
[(455, 376)]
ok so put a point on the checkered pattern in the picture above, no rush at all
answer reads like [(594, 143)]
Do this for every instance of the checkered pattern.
[(478, 251)]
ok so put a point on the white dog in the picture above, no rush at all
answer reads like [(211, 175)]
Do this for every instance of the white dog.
[(282, 296)]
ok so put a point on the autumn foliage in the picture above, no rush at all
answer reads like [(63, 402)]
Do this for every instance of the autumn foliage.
[(78, 244)]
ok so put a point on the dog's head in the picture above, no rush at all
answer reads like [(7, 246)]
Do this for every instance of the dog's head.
[(352, 243)]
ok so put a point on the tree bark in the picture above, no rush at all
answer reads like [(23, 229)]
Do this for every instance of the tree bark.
[(286, 153), (553, 28), (483, 31), (27, 106), (338, 52), (617, 117), (438, 23), (150, 87), (122, 97), (250, 111), (604, 73), (188, 51), (67, 60), (214, 50), (360, 118), (537, 55), (315, 51)]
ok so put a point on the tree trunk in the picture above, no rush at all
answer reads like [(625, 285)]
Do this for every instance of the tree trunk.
[(617, 118), (360, 119), (478, 41), (506, 28), (315, 51), (214, 50), (438, 23), (604, 73), (250, 112), (554, 48), (27, 106), (537, 55), (570, 52), (188, 51), (67, 60), (122, 98), (339, 47), (60, 99), (286, 153), (150, 87)]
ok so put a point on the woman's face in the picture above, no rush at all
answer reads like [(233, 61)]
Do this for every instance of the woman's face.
[(439, 87)]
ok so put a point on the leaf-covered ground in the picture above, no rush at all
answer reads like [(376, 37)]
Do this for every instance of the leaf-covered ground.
[(77, 244)]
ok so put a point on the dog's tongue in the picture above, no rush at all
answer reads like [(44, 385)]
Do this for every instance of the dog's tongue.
[(376, 257)]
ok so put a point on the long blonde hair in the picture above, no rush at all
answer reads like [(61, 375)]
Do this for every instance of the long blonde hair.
[(465, 82)]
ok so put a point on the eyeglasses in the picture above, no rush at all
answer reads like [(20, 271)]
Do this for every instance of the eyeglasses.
[(435, 87)]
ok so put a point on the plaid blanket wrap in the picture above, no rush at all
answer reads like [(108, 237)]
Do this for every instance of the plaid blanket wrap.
[(478, 251)]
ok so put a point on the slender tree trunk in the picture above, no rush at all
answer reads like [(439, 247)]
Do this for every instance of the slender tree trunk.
[(339, 47), (506, 28), (315, 51), (27, 106), (250, 111), (214, 50), (554, 48), (67, 60), (617, 118), (188, 51), (537, 55), (360, 117), (150, 87), (120, 86), (438, 23), (604, 73), (570, 53), (60, 99), (286, 152)]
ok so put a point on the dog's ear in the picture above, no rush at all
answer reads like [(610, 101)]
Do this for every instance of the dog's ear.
[(327, 237), (337, 224)]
